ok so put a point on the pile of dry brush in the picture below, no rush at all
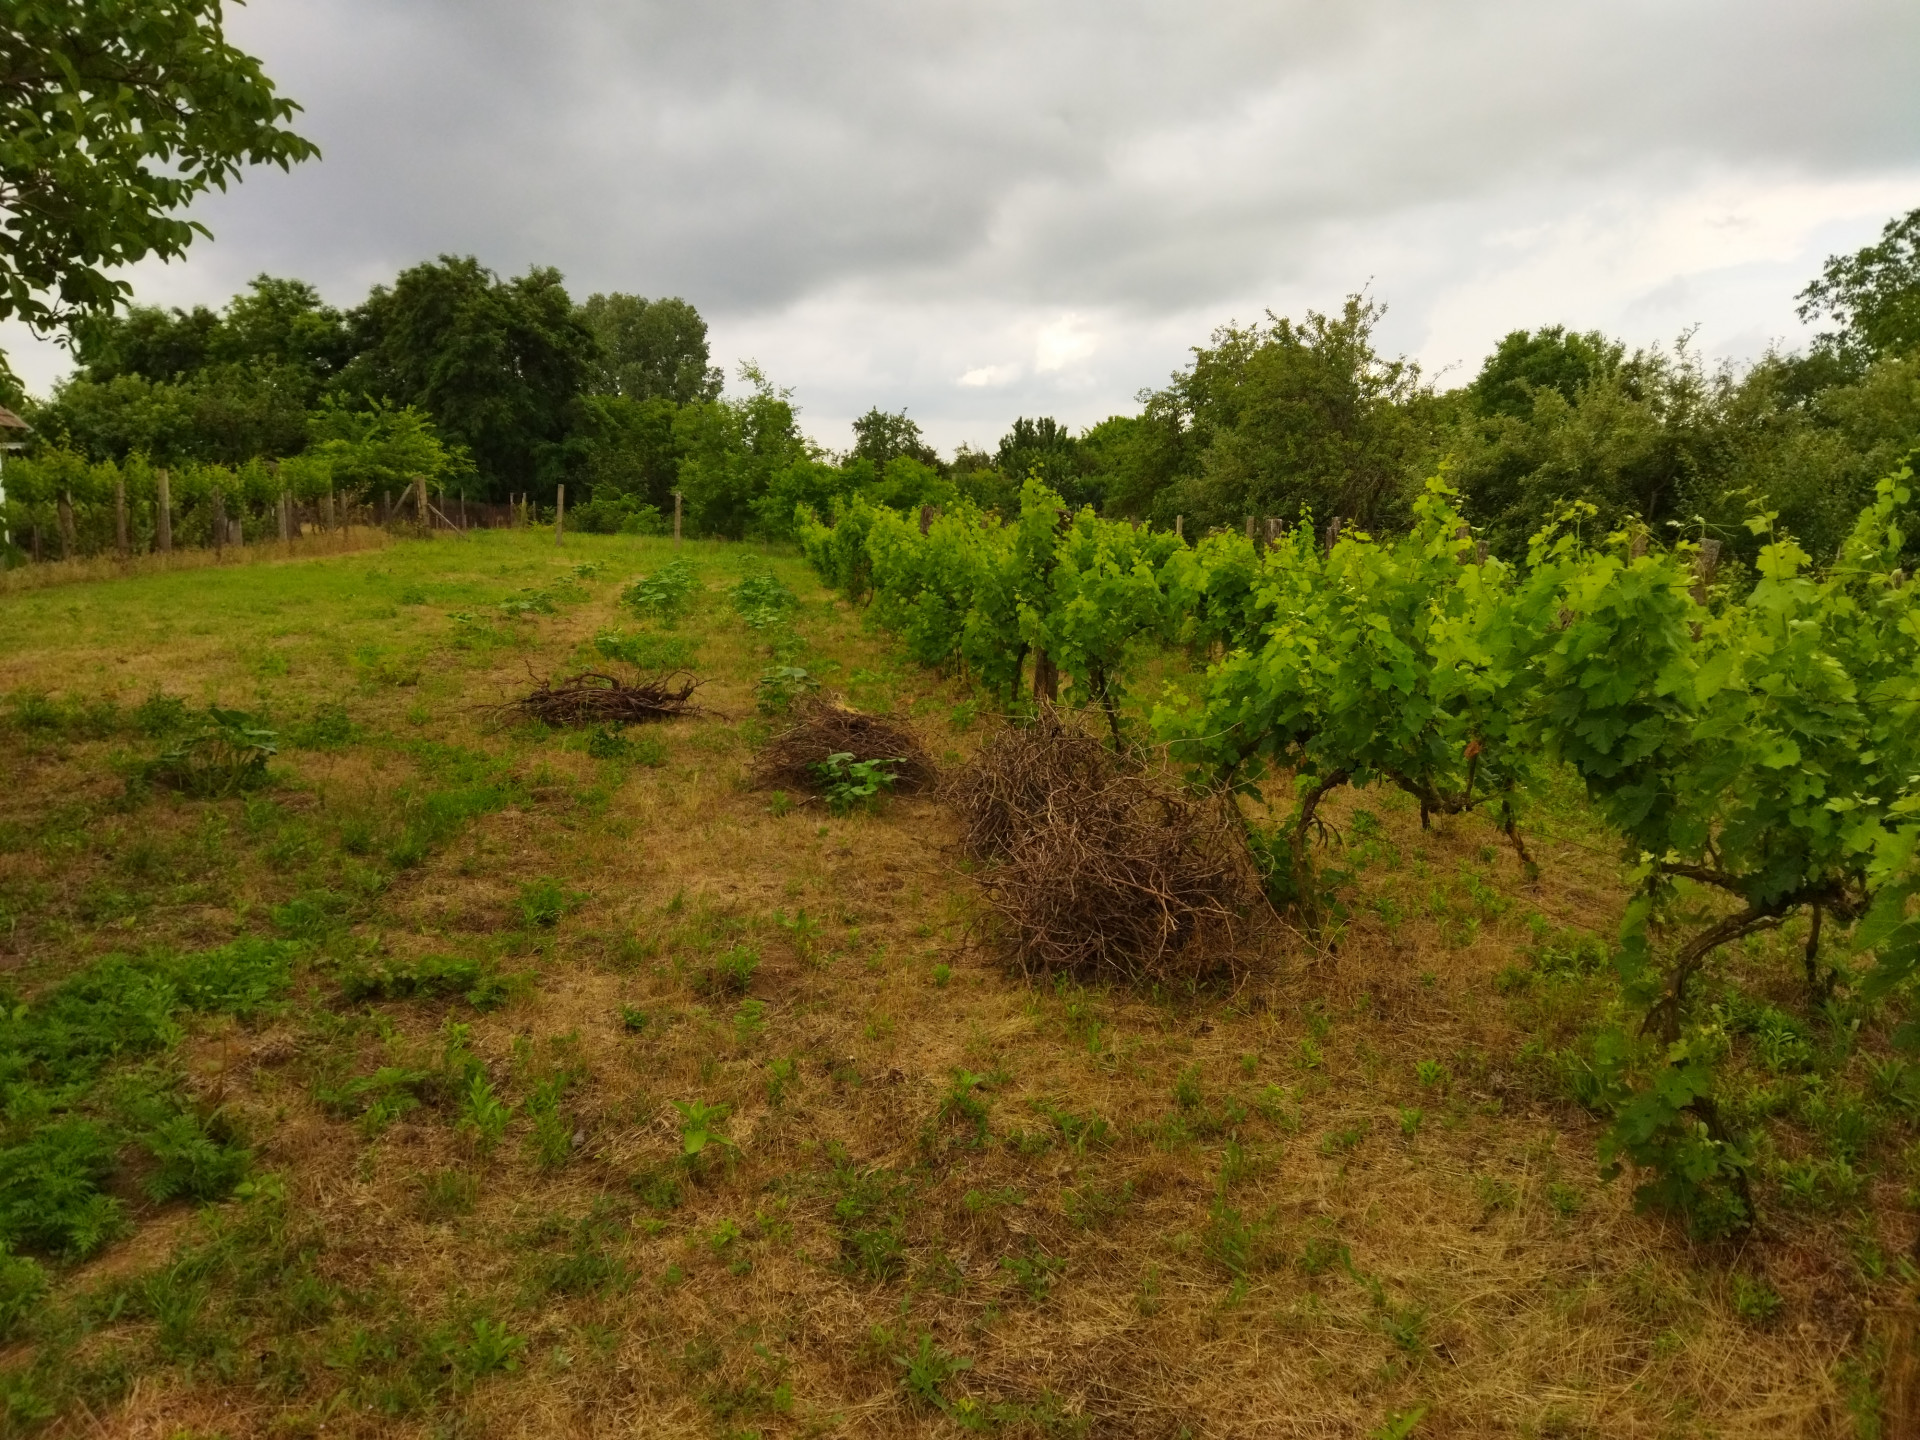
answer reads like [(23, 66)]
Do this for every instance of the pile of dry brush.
[(592, 698), (1094, 866), (825, 727)]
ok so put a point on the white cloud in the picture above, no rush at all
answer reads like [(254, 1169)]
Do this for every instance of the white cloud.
[(982, 376)]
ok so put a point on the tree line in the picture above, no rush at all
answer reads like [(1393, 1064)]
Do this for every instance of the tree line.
[(511, 387)]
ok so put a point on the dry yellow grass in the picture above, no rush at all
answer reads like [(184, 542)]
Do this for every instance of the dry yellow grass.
[(1255, 1246)]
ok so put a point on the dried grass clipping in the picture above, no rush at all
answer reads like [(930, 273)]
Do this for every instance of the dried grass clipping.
[(592, 698), (1093, 866), (827, 727)]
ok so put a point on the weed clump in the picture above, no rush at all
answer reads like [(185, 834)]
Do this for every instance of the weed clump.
[(822, 747), (225, 754), (1093, 866)]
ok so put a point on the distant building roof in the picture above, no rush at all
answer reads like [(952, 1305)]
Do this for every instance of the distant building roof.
[(11, 421)]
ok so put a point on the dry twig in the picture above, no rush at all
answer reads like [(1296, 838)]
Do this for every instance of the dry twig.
[(1094, 866), (593, 698)]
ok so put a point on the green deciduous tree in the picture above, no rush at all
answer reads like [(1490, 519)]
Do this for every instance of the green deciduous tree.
[(1873, 293), (649, 349), (114, 114), (1275, 418), (498, 364)]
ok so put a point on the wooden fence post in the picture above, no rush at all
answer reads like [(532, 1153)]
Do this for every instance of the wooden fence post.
[(676, 519), (286, 520), (1179, 527), (560, 515), (219, 524), (162, 513), (1249, 527), (67, 542), (120, 518), (327, 508)]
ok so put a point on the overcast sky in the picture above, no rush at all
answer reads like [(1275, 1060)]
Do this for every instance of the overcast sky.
[(983, 209)]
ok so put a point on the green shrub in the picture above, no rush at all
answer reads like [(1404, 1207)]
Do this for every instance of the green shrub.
[(779, 686), (666, 594)]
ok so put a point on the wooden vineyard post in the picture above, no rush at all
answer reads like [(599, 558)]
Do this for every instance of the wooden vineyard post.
[(326, 509), (66, 525), (286, 528), (219, 524), (1179, 527), (1046, 677), (560, 515), (1333, 534), (162, 513), (676, 519), (1249, 529), (1703, 567), (463, 512), (120, 544), (1704, 564)]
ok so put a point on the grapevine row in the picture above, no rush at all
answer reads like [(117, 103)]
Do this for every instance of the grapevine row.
[(1762, 747)]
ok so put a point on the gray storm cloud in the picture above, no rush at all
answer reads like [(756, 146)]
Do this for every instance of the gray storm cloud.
[(891, 202)]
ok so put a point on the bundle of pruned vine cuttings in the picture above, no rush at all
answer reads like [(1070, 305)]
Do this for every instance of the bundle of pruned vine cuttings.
[(594, 698), (1093, 865), (828, 737)]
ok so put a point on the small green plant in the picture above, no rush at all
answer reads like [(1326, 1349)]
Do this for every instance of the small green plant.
[(225, 755), (634, 1020), (928, 1370), (942, 974), (779, 804), (801, 929), (849, 784), (749, 1022), (1034, 1274), (646, 650), (782, 1075), (543, 902), (665, 595), (1400, 1425), (551, 1140), (762, 600), (1187, 1093), (483, 1114), (1410, 1118), (780, 686), (1431, 1074), (449, 1192), (607, 742), (491, 1347), (961, 1107), (1564, 1199), (728, 974), (22, 1284), (1754, 1300), (700, 1125)]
